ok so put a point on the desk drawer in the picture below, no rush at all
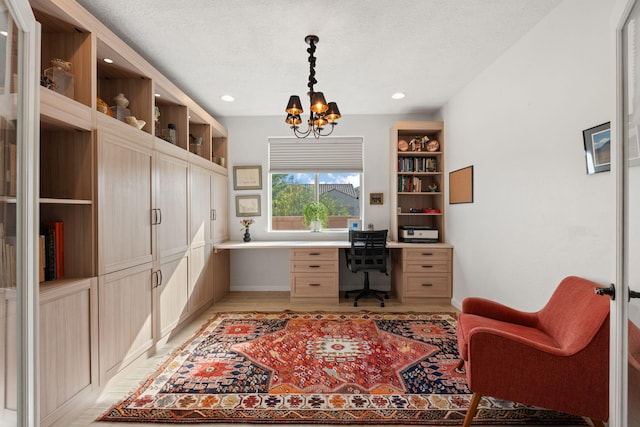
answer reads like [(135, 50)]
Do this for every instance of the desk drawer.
[(309, 285), (431, 286), (426, 255), (427, 266), (314, 266), (314, 254)]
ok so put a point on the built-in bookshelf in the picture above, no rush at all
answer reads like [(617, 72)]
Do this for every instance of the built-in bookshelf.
[(417, 165)]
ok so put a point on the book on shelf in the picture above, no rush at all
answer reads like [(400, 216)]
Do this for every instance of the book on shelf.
[(7, 260), (53, 232), (41, 243), (12, 172), (3, 169)]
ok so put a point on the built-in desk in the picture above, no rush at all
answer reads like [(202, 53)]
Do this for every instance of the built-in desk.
[(419, 270)]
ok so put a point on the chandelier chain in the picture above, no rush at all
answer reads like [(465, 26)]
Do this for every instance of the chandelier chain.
[(312, 66)]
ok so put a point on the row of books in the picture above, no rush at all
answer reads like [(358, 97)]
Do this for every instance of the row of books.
[(51, 250), (410, 184), (7, 260), (417, 164), (8, 178)]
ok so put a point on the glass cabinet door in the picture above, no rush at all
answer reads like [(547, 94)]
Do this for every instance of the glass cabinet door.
[(18, 163)]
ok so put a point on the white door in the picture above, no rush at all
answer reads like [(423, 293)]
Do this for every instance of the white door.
[(625, 338)]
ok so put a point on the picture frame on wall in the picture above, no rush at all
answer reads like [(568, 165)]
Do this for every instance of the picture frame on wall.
[(247, 177), (248, 205), (376, 198), (597, 148)]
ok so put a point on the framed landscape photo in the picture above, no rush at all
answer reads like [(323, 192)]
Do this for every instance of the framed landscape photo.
[(247, 177), (597, 148), (248, 205)]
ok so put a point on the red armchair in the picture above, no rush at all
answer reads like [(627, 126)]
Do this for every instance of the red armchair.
[(556, 358)]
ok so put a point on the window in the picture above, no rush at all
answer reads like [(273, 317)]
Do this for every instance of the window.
[(301, 171)]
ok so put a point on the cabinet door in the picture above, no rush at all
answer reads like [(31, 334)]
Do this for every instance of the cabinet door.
[(124, 318), (124, 202), (201, 277), (201, 183), (172, 196), (172, 293), (66, 337), (220, 198)]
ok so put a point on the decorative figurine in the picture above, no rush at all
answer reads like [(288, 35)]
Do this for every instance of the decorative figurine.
[(121, 100)]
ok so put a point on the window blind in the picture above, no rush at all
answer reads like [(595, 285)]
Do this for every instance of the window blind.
[(342, 154)]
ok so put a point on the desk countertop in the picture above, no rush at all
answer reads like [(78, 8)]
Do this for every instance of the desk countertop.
[(292, 244)]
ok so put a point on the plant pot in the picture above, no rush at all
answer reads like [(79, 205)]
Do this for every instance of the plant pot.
[(315, 226)]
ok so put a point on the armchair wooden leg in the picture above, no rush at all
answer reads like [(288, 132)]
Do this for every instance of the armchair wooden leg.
[(460, 365), (471, 412), (597, 423)]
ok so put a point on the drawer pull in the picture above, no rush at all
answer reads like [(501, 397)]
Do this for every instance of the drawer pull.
[(427, 254), (314, 253), (314, 284), (314, 266), (427, 266), (427, 285)]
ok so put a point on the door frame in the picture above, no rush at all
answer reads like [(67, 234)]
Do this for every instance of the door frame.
[(618, 373)]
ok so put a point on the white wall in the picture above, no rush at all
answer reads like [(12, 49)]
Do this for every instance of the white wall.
[(537, 216), (269, 270)]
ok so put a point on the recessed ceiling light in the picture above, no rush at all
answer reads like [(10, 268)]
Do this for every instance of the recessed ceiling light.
[(227, 98), (4, 33), (157, 95), (108, 60), (398, 95)]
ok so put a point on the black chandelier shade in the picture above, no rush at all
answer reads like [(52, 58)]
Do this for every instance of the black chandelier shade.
[(321, 113)]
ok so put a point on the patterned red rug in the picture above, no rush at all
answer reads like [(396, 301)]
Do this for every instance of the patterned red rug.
[(322, 368)]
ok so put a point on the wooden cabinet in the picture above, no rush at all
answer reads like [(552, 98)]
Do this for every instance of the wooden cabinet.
[(423, 271), (314, 275), (125, 198), (417, 184), (68, 362), (220, 200), (138, 224), (125, 313), (172, 293)]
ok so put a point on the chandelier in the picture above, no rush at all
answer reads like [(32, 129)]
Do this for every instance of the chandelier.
[(322, 114)]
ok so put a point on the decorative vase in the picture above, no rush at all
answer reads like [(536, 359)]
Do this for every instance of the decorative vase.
[(247, 236), (121, 100), (316, 226)]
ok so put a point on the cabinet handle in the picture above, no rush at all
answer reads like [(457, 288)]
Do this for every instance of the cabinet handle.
[(213, 214), (427, 285), (159, 216), (314, 266), (427, 266), (427, 254), (154, 216), (314, 253), (314, 284)]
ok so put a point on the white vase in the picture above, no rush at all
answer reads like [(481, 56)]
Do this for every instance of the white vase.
[(316, 226), (121, 100)]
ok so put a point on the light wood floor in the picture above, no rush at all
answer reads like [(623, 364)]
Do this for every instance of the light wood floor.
[(130, 378)]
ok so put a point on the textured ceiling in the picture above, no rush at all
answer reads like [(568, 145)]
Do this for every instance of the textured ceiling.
[(254, 50)]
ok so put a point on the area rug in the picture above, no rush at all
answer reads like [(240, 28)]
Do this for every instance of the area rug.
[(319, 368)]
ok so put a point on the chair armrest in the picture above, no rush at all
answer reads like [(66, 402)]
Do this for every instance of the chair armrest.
[(493, 310)]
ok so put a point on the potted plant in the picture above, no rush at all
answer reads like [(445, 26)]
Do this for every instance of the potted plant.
[(316, 216)]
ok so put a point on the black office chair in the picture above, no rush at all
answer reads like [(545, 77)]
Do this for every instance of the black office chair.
[(368, 252)]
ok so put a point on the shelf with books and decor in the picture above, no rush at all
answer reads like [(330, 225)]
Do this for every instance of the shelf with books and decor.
[(422, 268), (66, 202), (417, 196)]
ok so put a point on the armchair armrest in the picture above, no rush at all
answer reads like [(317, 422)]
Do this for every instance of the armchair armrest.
[(493, 310)]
